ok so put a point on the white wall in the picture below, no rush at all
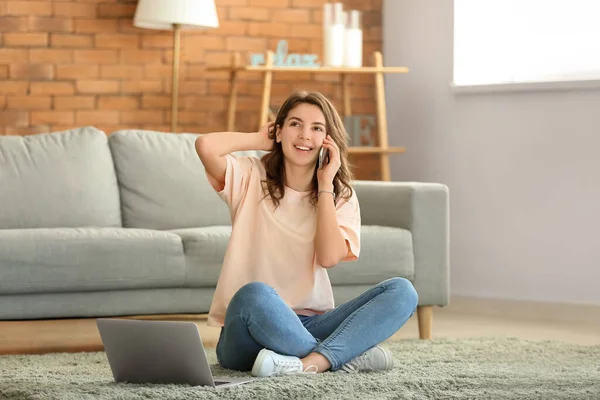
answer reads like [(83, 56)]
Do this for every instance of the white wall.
[(523, 168)]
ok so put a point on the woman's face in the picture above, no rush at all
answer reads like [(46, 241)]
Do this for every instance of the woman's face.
[(302, 134)]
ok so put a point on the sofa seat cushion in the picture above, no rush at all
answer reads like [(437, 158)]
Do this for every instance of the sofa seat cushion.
[(385, 252), (204, 250), (88, 259)]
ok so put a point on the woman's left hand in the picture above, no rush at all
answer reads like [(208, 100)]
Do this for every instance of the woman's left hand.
[(326, 174)]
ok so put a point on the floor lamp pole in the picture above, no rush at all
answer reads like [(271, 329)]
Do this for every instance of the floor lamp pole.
[(175, 88)]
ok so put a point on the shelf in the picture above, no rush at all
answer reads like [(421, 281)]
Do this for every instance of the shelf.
[(336, 70), (375, 150)]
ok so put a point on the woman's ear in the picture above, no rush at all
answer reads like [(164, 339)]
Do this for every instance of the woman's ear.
[(277, 134)]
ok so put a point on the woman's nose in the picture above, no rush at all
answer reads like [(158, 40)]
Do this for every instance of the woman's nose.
[(306, 133)]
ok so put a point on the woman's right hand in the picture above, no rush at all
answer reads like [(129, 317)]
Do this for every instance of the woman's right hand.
[(266, 135)]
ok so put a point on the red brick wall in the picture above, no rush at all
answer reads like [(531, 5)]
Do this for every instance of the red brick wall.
[(65, 64)]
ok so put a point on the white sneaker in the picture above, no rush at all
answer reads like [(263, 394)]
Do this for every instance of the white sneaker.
[(269, 363), (375, 359)]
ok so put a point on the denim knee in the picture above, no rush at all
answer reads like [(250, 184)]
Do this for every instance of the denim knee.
[(405, 294), (248, 295)]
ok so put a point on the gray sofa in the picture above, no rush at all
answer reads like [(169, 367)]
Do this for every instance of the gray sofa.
[(94, 225)]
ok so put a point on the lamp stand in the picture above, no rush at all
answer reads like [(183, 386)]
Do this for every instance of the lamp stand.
[(175, 89)]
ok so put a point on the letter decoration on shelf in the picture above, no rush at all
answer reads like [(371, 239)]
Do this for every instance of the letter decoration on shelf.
[(361, 129), (283, 59)]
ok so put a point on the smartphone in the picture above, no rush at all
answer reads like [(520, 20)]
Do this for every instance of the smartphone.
[(323, 154)]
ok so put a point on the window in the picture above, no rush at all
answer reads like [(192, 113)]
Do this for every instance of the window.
[(515, 41)]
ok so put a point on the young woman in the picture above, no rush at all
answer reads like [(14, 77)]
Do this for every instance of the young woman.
[(291, 221)]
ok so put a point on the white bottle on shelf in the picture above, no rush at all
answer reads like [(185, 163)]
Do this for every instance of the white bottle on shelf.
[(334, 34), (327, 11), (353, 40)]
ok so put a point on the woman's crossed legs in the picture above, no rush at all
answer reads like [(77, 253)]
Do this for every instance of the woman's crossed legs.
[(257, 318)]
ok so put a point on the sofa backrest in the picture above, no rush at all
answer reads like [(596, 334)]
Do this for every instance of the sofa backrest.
[(162, 181), (59, 179)]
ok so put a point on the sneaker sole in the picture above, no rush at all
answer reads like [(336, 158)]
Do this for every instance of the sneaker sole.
[(258, 362)]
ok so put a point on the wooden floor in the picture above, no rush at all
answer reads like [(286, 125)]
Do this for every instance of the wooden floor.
[(463, 318)]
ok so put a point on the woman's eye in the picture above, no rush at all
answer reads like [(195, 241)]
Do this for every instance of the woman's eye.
[(294, 124), (318, 128)]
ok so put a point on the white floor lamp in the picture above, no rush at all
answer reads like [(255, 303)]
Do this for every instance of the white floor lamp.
[(176, 15)]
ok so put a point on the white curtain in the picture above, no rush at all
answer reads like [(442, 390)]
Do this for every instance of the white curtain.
[(507, 41)]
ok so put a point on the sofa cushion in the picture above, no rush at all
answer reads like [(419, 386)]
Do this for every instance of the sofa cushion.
[(88, 259), (385, 253), (204, 250), (163, 183), (60, 179)]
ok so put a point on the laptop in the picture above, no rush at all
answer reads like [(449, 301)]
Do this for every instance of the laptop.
[(141, 351)]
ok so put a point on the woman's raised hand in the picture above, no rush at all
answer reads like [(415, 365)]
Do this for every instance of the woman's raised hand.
[(265, 138)]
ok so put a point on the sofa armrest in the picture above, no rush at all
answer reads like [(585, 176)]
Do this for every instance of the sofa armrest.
[(423, 209)]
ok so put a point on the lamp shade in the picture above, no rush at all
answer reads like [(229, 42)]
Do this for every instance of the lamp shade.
[(189, 14)]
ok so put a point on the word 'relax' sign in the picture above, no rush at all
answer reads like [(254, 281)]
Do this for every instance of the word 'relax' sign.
[(283, 59)]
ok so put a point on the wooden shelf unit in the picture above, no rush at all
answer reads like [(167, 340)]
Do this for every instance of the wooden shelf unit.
[(383, 150)]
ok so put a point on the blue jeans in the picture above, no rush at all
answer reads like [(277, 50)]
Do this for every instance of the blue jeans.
[(258, 318)]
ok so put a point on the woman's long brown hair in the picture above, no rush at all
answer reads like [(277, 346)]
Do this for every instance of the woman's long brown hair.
[(273, 161)]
